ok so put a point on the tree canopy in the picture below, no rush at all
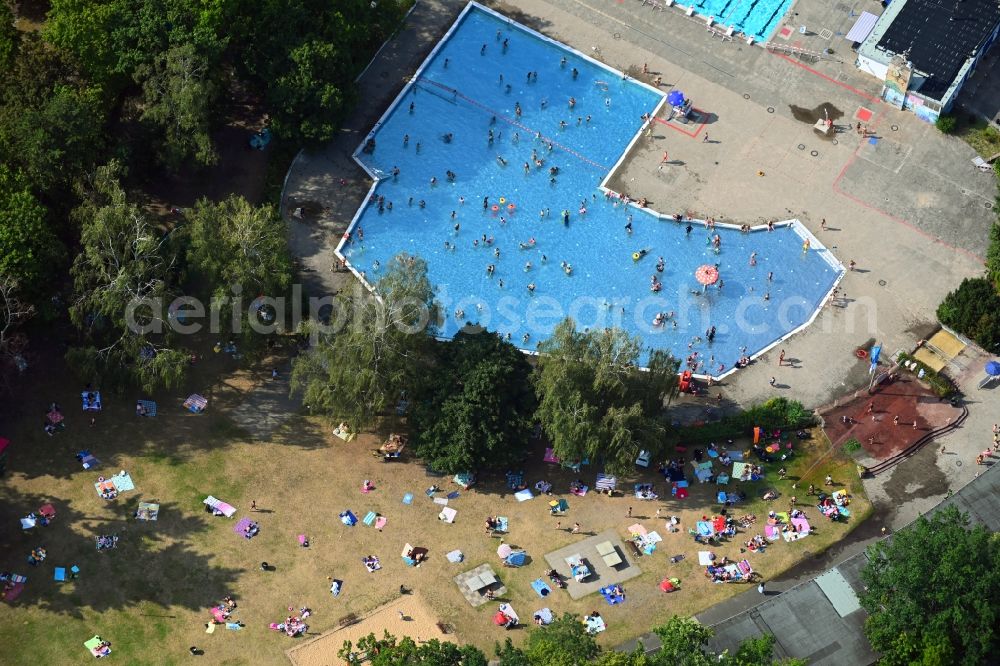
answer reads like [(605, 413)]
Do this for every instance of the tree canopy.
[(29, 251), (933, 592), (390, 651), (595, 402), (376, 349), (120, 278), (477, 412)]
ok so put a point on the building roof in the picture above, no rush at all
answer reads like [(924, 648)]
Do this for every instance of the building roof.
[(940, 35)]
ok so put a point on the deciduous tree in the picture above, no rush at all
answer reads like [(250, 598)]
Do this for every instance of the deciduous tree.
[(933, 592), (390, 651), (477, 412), (376, 348), (29, 250)]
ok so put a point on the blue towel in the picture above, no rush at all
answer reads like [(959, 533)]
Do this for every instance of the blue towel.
[(453, 495), (369, 518), (541, 588), (408, 498)]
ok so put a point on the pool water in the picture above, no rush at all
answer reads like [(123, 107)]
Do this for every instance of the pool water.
[(523, 214), (757, 18)]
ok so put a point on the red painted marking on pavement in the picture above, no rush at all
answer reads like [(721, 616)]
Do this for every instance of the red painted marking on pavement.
[(694, 134), (870, 98), (836, 181)]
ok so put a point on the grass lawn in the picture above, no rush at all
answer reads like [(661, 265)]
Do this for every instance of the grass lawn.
[(984, 138), (150, 597)]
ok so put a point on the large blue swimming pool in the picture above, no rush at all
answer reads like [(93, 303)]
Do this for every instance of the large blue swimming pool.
[(458, 98)]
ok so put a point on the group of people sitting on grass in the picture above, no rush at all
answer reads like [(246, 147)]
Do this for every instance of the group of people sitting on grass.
[(251, 530), (106, 541)]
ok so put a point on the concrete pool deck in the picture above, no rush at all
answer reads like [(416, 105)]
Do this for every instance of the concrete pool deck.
[(905, 209)]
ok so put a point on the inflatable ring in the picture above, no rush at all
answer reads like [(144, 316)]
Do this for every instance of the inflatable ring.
[(861, 353), (636, 256), (503, 200), (510, 207), (495, 208)]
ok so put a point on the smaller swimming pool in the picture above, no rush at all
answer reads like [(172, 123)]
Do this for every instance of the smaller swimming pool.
[(757, 18)]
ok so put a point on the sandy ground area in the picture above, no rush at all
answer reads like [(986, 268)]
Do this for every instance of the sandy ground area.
[(418, 622)]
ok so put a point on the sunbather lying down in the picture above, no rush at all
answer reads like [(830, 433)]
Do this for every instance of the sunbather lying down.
[(371, 563)]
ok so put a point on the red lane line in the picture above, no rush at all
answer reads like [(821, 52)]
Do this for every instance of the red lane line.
[(516, 123), (870, 98)]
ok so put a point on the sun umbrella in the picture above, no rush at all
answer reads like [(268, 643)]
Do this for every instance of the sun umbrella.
[(504, 550), (707, 275), (993, 369), (675, 98)]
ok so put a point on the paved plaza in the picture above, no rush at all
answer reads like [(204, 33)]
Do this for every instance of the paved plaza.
[(601, 574)]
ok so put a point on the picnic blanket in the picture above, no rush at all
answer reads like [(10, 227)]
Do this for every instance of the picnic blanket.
[(509, 611), (372, 563), (792, 535), (97, 647), (344, 432), (87, 460), (241, 527), (227, 510), (369, 518), (595, 624), (544, 615), (30, 521), (443, 501), (558, 506), (123, 481), (637, 530), (195, 403), (705, 528), (608, 592), (550, 457), (741, 471), (523, 495), (380, 522), (447, 514), (465, 479), (605, 482), (541, 588), (705, 558), (801, 525), (91, 401), (772, 532), (148, 407), (702, 474), (543, 486), (12, 591), (501, 525), (408, 499), (515, 480), (106, 489)]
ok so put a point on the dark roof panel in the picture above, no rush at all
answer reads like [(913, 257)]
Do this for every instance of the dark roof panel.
[(940, 36)]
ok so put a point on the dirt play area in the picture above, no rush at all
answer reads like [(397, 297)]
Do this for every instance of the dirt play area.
[(872, 419)]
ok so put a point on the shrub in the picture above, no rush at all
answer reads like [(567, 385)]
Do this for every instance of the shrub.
[(940, 384), (973, 310), (773, 414), (993, 255), (946, 124), (851, 445)]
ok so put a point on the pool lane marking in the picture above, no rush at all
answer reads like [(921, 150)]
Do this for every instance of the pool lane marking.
[(515, 123)]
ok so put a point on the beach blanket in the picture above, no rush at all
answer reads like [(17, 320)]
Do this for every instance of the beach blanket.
[(219, 614), (12, 578), (380, 522), (452, 495), (348, 518), (447, 514), (465, 479), (195, 403), (608, 592), (227, 510), (637, 530), (123, 482), (792, 535), (443, 501), (541, 588), (705, 558), (91, 404), (515, 480), (369, 518), (741, 471), (343, 432), (719, 524), (772, 532), (674, 474), (705, 528), (801, 525), (543, 614), (722, 480), (97, 648), (543, 486), (605, 482), (30, 521), (408, 499), (736, 455), (148, 406), (372, 564), (501, 525), (12, 592), (87, 460), (703, 475), (595, 625), (106, 489), (241, 525), (844, 511), (233, 626), (209, 627), (579, 491), (455, 556), (550, 457), (523, 495), (745, 567), (59, 574), (782, 516)]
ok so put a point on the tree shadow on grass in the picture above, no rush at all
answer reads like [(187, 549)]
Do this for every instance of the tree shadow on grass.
[(146, 566)]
